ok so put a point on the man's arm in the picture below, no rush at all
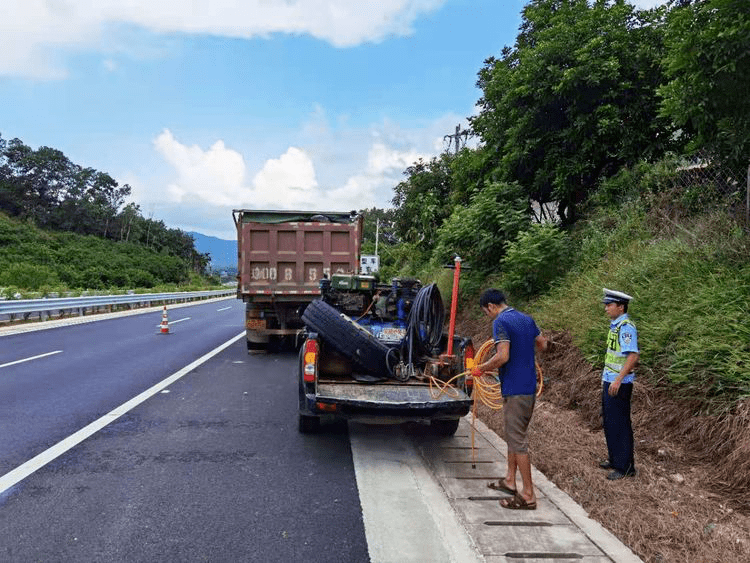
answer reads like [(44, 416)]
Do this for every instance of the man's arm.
[(502, 354), (540, 343)]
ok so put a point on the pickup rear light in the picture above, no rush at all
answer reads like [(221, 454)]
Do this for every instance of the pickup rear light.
[(326, 407), (310, 362)]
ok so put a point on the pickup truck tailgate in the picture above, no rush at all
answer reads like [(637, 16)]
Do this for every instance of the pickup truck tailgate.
[(390, 395)]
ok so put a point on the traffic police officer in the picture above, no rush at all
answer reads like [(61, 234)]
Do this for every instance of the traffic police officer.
[(617, 385)]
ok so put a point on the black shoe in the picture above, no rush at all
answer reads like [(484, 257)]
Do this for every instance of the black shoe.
[(605, 464), (616, 474)]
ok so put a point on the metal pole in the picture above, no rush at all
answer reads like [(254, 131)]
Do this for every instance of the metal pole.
[(454, 304), (377, 225)]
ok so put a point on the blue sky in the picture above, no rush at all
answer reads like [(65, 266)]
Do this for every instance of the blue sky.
[(263, 104)]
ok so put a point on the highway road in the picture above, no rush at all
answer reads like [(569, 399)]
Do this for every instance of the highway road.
[(118, 443), (209, 468)]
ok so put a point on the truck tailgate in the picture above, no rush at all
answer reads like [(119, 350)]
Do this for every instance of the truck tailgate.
[(389, 395)]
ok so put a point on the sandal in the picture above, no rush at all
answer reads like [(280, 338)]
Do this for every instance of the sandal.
[(517, 502), (501, 486)]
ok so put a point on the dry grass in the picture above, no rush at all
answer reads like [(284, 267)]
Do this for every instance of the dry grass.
[(691, 498)]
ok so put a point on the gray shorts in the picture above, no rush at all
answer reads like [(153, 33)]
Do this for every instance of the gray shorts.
[(517, 411)]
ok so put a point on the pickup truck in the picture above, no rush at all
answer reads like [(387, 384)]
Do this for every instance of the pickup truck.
[(377, 353)]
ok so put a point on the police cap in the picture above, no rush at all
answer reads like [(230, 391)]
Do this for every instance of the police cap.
[(612, 296)]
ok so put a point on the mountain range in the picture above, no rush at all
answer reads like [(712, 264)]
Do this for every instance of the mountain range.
[(223, 252)]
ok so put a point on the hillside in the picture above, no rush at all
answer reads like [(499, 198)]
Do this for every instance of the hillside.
[(690, 276), (43, 261)]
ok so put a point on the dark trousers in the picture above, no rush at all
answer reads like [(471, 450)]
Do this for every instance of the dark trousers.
[(617, 427)]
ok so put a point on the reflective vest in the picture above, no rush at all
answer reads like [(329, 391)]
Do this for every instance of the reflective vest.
[(614, 360)]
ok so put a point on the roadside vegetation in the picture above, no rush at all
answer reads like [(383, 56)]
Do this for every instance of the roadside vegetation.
[(36, 263), (65, 228), (613, 151)]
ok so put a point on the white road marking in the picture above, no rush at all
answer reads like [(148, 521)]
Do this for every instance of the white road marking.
[(223, 309), (29, 359), (170, 323), (406, 514), (22, 471)]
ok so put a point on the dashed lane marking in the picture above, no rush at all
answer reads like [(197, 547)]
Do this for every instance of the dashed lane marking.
[(22, 471), (29, 359)]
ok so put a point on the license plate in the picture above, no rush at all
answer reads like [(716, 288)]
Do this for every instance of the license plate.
[(392, 334), (256, 324)]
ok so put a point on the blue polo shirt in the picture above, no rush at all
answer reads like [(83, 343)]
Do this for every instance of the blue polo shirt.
[(518, 374)]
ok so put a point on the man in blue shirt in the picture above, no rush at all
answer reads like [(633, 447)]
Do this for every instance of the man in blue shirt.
[(617, 385), (517, 339)]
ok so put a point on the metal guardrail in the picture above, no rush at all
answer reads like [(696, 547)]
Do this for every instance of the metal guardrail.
[(25, 307)]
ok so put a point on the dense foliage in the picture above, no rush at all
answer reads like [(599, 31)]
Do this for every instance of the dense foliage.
[(43, 188), (574, 99), (708, 67), (37, 260), (586, 175)]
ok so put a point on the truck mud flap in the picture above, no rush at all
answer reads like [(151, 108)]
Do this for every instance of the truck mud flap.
[(349, 339)]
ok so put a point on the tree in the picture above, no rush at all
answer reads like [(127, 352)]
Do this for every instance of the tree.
[(574, 99), (479, 232), (380, 222), (708, 66), (423, 201)]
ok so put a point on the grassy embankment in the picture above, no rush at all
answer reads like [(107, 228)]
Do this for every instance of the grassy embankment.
[(690, 279), (35, 263)]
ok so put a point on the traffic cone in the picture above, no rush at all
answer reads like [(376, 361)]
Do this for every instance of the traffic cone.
[(164, 322)]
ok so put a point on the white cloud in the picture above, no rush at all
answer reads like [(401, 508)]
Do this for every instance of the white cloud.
[(215, 176), (35, 33), (646, 4), (385, 166), (287, 181), (360, 167)]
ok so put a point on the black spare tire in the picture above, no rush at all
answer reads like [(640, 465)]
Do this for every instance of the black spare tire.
[(348, 338)]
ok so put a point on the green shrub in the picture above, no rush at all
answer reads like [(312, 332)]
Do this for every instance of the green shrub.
[(28, 276), (535, 259), (477, 233)]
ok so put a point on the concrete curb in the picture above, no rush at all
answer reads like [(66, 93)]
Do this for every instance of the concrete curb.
[(598, 534)]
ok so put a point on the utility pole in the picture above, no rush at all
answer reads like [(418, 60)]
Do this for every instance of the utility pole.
[(377, 232), (457, 136)]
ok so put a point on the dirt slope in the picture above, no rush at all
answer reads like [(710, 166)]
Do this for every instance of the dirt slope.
[(689, 501)]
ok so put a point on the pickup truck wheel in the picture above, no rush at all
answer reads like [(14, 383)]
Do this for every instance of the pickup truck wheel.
[(445, 428), (347, 337), (308, 424)]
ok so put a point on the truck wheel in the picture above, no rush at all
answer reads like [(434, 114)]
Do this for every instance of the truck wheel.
[(445, 428), (308, 424), (348, 338)]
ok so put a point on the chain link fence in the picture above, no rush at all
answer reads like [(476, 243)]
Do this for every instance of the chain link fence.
[(713, 184)]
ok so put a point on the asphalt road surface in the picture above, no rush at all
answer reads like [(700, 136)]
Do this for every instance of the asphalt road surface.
[(119, 443), (209, 468)]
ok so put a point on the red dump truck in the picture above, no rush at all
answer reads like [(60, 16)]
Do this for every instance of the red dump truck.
[(282, 257)]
